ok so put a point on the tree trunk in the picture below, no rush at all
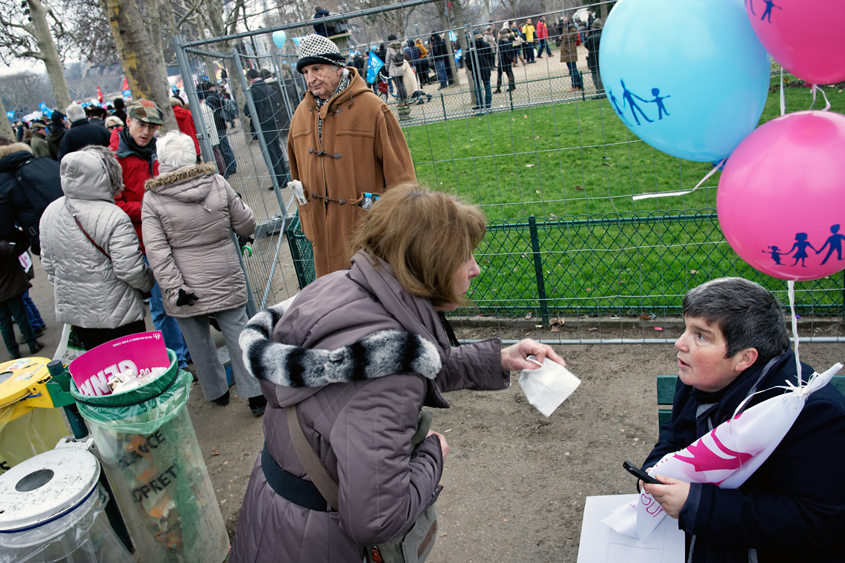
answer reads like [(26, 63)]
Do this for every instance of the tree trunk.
[(444, 21), (49, 54), (5, 126), (462, 43), (218, 28), (143, 65)]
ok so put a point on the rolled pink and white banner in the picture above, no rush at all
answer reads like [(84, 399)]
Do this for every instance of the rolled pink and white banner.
[(726, 456)]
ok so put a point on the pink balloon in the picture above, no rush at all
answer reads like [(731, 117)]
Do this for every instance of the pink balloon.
[(781, 197), (804, 36)]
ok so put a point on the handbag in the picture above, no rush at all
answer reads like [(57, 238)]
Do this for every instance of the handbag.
[(411, 547)]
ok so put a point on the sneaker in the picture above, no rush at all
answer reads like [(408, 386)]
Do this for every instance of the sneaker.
[(222, 400), (257, 405), (36, 348)]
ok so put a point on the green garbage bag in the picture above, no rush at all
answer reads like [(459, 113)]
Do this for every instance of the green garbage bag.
[(148, 447)]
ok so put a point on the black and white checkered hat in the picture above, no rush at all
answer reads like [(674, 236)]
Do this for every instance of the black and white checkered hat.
[(316, 49)]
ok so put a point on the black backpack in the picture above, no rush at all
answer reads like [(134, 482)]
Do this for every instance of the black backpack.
[(40, 181)]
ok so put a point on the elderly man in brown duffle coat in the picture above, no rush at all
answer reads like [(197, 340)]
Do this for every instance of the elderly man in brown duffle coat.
[(343, 141)]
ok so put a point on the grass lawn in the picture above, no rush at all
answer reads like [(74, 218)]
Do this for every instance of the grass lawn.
[(575, 167)]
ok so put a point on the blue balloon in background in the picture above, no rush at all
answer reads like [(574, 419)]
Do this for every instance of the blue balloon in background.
[(689, 78), (279, 38)]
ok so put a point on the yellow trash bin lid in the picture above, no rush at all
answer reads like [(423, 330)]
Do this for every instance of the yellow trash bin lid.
[(25, 379)]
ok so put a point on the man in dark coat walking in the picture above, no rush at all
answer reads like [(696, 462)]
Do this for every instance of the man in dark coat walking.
[(81, 133), (268, 109), (480, 61)]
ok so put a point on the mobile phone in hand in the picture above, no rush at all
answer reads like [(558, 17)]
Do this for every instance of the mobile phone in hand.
[(640, 474)]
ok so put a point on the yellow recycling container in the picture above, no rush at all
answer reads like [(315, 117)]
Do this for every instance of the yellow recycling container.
[(30, 422)]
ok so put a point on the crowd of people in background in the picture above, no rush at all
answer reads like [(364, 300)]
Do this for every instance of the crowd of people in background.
[(412, 63)]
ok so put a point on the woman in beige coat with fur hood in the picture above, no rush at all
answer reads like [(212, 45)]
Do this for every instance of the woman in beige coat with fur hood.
[(187, 216)]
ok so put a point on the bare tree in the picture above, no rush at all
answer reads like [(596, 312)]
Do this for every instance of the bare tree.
[(87, 32), (27, 31), (142, 63), (24, 90)]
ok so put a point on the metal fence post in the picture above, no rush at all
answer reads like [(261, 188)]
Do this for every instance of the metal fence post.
[(538, 269), (443, 105), (583, 95)]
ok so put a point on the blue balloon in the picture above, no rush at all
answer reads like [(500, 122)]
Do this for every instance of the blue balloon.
[(688, 77), (279, 38)]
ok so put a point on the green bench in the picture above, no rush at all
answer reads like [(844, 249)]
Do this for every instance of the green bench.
[(666, 392)]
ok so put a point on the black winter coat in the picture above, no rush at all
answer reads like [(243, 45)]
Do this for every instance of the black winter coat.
[(592, 44), (438, 47), (484, 54), (266, 104), (15, 207), (54, 139), (217, 105), (506, 52), (13, 278), (793, 507), (81, 134)]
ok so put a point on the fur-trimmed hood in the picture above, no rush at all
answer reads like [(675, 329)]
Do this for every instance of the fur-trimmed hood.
[(14, 147), (189, 184), (169, 175), (383, 353)]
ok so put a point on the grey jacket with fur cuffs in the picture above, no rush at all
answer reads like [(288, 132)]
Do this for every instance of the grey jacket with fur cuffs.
[(360, 357)]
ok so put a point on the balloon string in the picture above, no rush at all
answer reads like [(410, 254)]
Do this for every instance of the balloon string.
[(782, 95), (817, 88), (791, 285), (683, 192)]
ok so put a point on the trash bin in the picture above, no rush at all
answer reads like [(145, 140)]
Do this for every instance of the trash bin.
[(148, 447), (29, 423), (53, 511)]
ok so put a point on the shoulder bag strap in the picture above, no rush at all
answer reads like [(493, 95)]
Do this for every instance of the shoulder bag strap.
[(97, 246), (311, 462)]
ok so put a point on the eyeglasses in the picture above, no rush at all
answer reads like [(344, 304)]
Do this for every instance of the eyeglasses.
[(147, 126), (110, 127)]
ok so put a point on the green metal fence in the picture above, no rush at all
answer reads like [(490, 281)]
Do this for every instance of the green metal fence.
[(627, 264)]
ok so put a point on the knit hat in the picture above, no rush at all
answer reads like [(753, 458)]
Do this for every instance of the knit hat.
[(316, 49), (144, 110), (57, 116)]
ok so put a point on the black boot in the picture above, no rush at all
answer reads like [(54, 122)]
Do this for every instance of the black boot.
[(498, 89)]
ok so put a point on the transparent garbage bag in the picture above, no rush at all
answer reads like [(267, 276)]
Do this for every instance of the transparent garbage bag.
[(23, 437), (82, 535), (148, 447)]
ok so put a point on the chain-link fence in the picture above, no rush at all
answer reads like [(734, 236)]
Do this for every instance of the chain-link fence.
[(569, 256)]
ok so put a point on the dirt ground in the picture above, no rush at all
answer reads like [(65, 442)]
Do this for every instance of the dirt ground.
[(515, 481)]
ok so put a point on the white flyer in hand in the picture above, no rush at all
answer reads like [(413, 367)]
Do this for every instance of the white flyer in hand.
[(296, 188), (547, 386)]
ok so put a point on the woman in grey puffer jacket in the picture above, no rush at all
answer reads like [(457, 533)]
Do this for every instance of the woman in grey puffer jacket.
[(187, 217), (90, 251), (358, 353)]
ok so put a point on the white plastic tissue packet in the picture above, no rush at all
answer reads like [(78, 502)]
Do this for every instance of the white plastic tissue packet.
[(547, 386)]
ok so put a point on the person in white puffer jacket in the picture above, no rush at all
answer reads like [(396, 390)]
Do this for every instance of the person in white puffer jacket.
[(90, 251)]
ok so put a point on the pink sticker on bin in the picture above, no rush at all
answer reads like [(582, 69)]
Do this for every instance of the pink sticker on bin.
[(136, 355)]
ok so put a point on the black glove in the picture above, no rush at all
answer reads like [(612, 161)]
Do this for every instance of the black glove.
[(186, 298)]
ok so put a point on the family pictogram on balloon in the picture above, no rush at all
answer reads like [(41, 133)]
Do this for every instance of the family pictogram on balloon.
[(834, 241), (629, 99), (766, 14)]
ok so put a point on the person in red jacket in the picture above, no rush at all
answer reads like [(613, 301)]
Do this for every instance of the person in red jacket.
[(186, 123), (543, 38), (135, 148)]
